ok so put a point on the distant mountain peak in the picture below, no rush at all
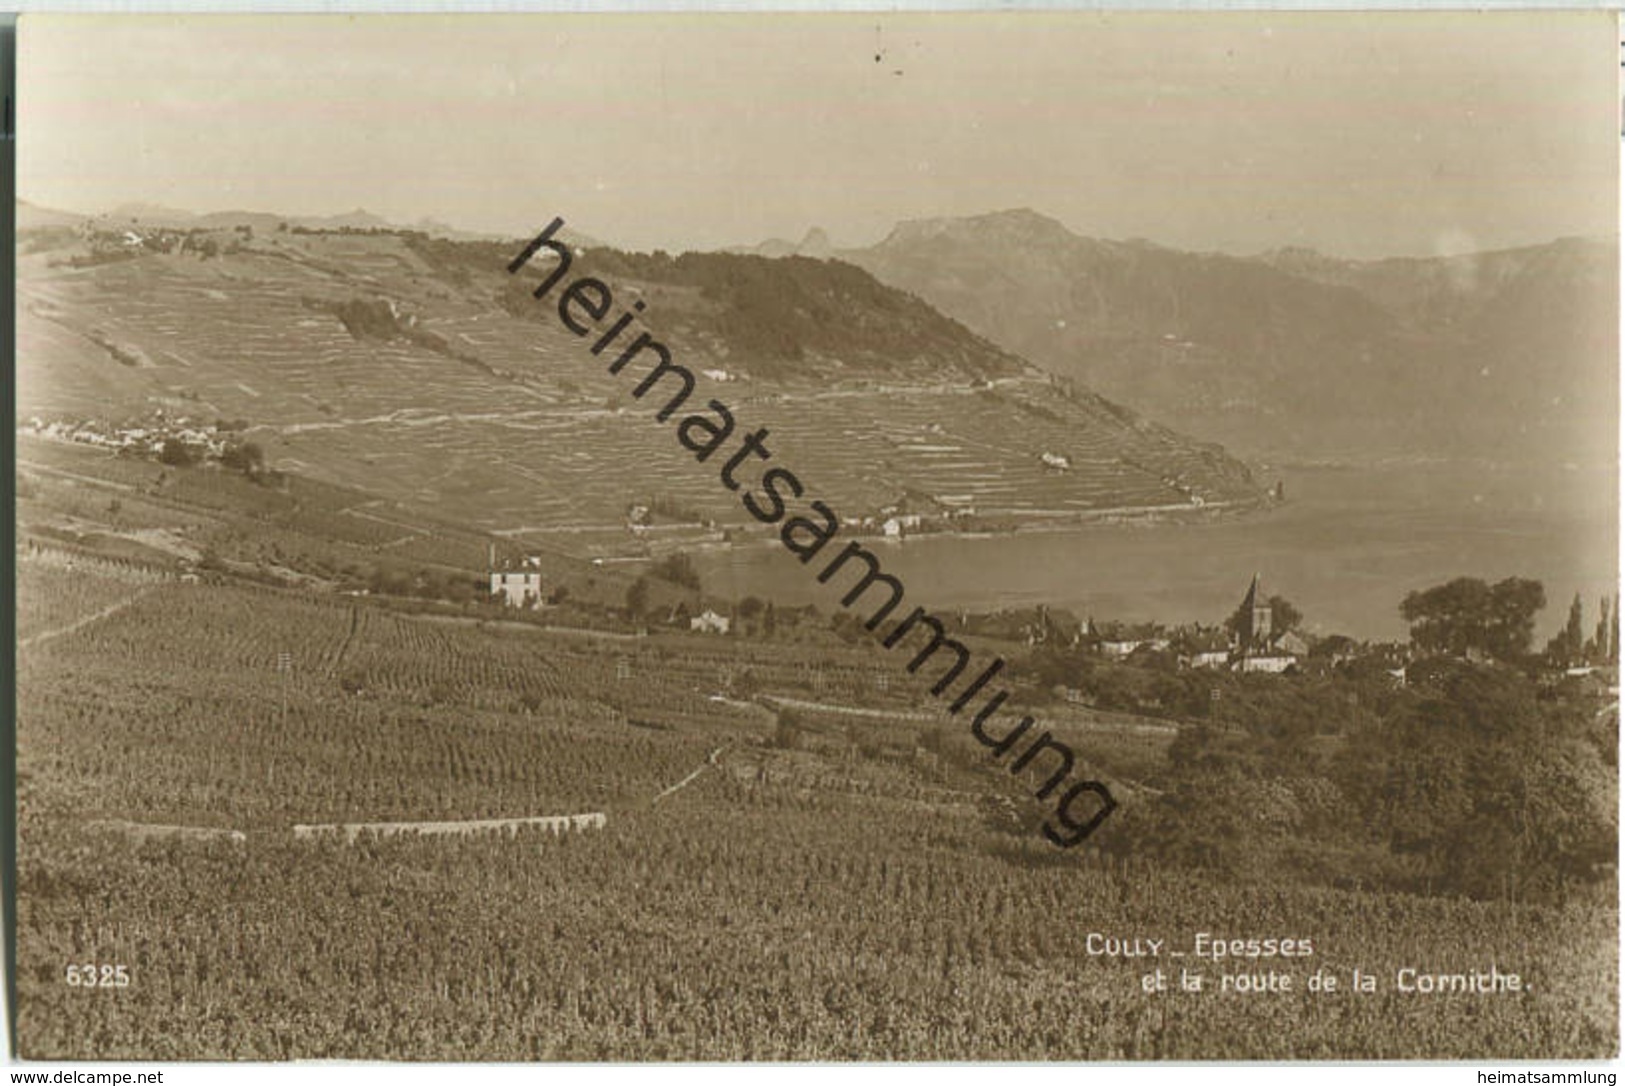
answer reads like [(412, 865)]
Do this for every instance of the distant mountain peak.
[(1503, 354), (816, 244), (1011, 224), (359, 217), (139, 210), (1023, 216)]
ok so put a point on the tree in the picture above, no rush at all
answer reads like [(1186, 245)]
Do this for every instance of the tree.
[(1600, 650), (1283, 616), (1608, 638), (1484, 781), (1444, 618), (176, 453), (1513, 604), (1568, 645), (246, 457), (787, 730), (637, 596), (1051, 666), (1573, 634), (1334, 645), (679, 569), (389, 582)]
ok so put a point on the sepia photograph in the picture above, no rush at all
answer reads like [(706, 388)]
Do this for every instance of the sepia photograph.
[(1022, 536)]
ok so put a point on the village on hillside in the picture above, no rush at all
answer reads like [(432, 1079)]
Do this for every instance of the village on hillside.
[(177, 440), (1263, 635)]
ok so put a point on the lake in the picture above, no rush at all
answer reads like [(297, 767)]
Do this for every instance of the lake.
[(1345, 547)]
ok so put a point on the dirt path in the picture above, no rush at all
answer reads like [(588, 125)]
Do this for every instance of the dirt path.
[(81, 623), (111, 484), (402, 541), (849, 710), (711, 760), (349, 639)]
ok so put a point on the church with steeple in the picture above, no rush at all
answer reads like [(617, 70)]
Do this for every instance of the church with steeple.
[(1254, 631), (1259, 646)]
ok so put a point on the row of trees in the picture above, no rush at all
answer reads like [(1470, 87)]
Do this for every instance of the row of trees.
[(1571, 647), (1468, 617)]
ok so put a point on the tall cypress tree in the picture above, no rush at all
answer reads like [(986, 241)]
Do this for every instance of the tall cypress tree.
[(1573, 633)]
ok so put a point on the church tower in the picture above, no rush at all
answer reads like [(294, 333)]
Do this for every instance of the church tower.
[(1255, 627)]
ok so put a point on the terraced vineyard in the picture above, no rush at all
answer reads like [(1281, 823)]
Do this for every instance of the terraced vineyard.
[(335, 712), (55, 595), (506, 421), (838, 896)]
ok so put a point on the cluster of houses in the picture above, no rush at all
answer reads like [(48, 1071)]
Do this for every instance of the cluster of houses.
[(519, 583), (893, 522), (146, 438), (133, 239), (1255, 645), (1251, 642), (1197, 647)]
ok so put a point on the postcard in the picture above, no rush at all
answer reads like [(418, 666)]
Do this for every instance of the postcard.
[(1020, 536)]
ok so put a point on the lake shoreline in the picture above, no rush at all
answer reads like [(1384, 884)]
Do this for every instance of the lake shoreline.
[(1345, 546)]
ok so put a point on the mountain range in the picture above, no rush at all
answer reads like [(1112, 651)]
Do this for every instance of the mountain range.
[(1290, 354), (1071, 344)]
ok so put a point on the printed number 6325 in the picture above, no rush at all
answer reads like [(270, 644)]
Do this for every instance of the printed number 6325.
[(91, 975)]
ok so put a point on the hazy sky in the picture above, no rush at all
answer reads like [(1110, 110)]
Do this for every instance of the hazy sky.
[(1363, 134)]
